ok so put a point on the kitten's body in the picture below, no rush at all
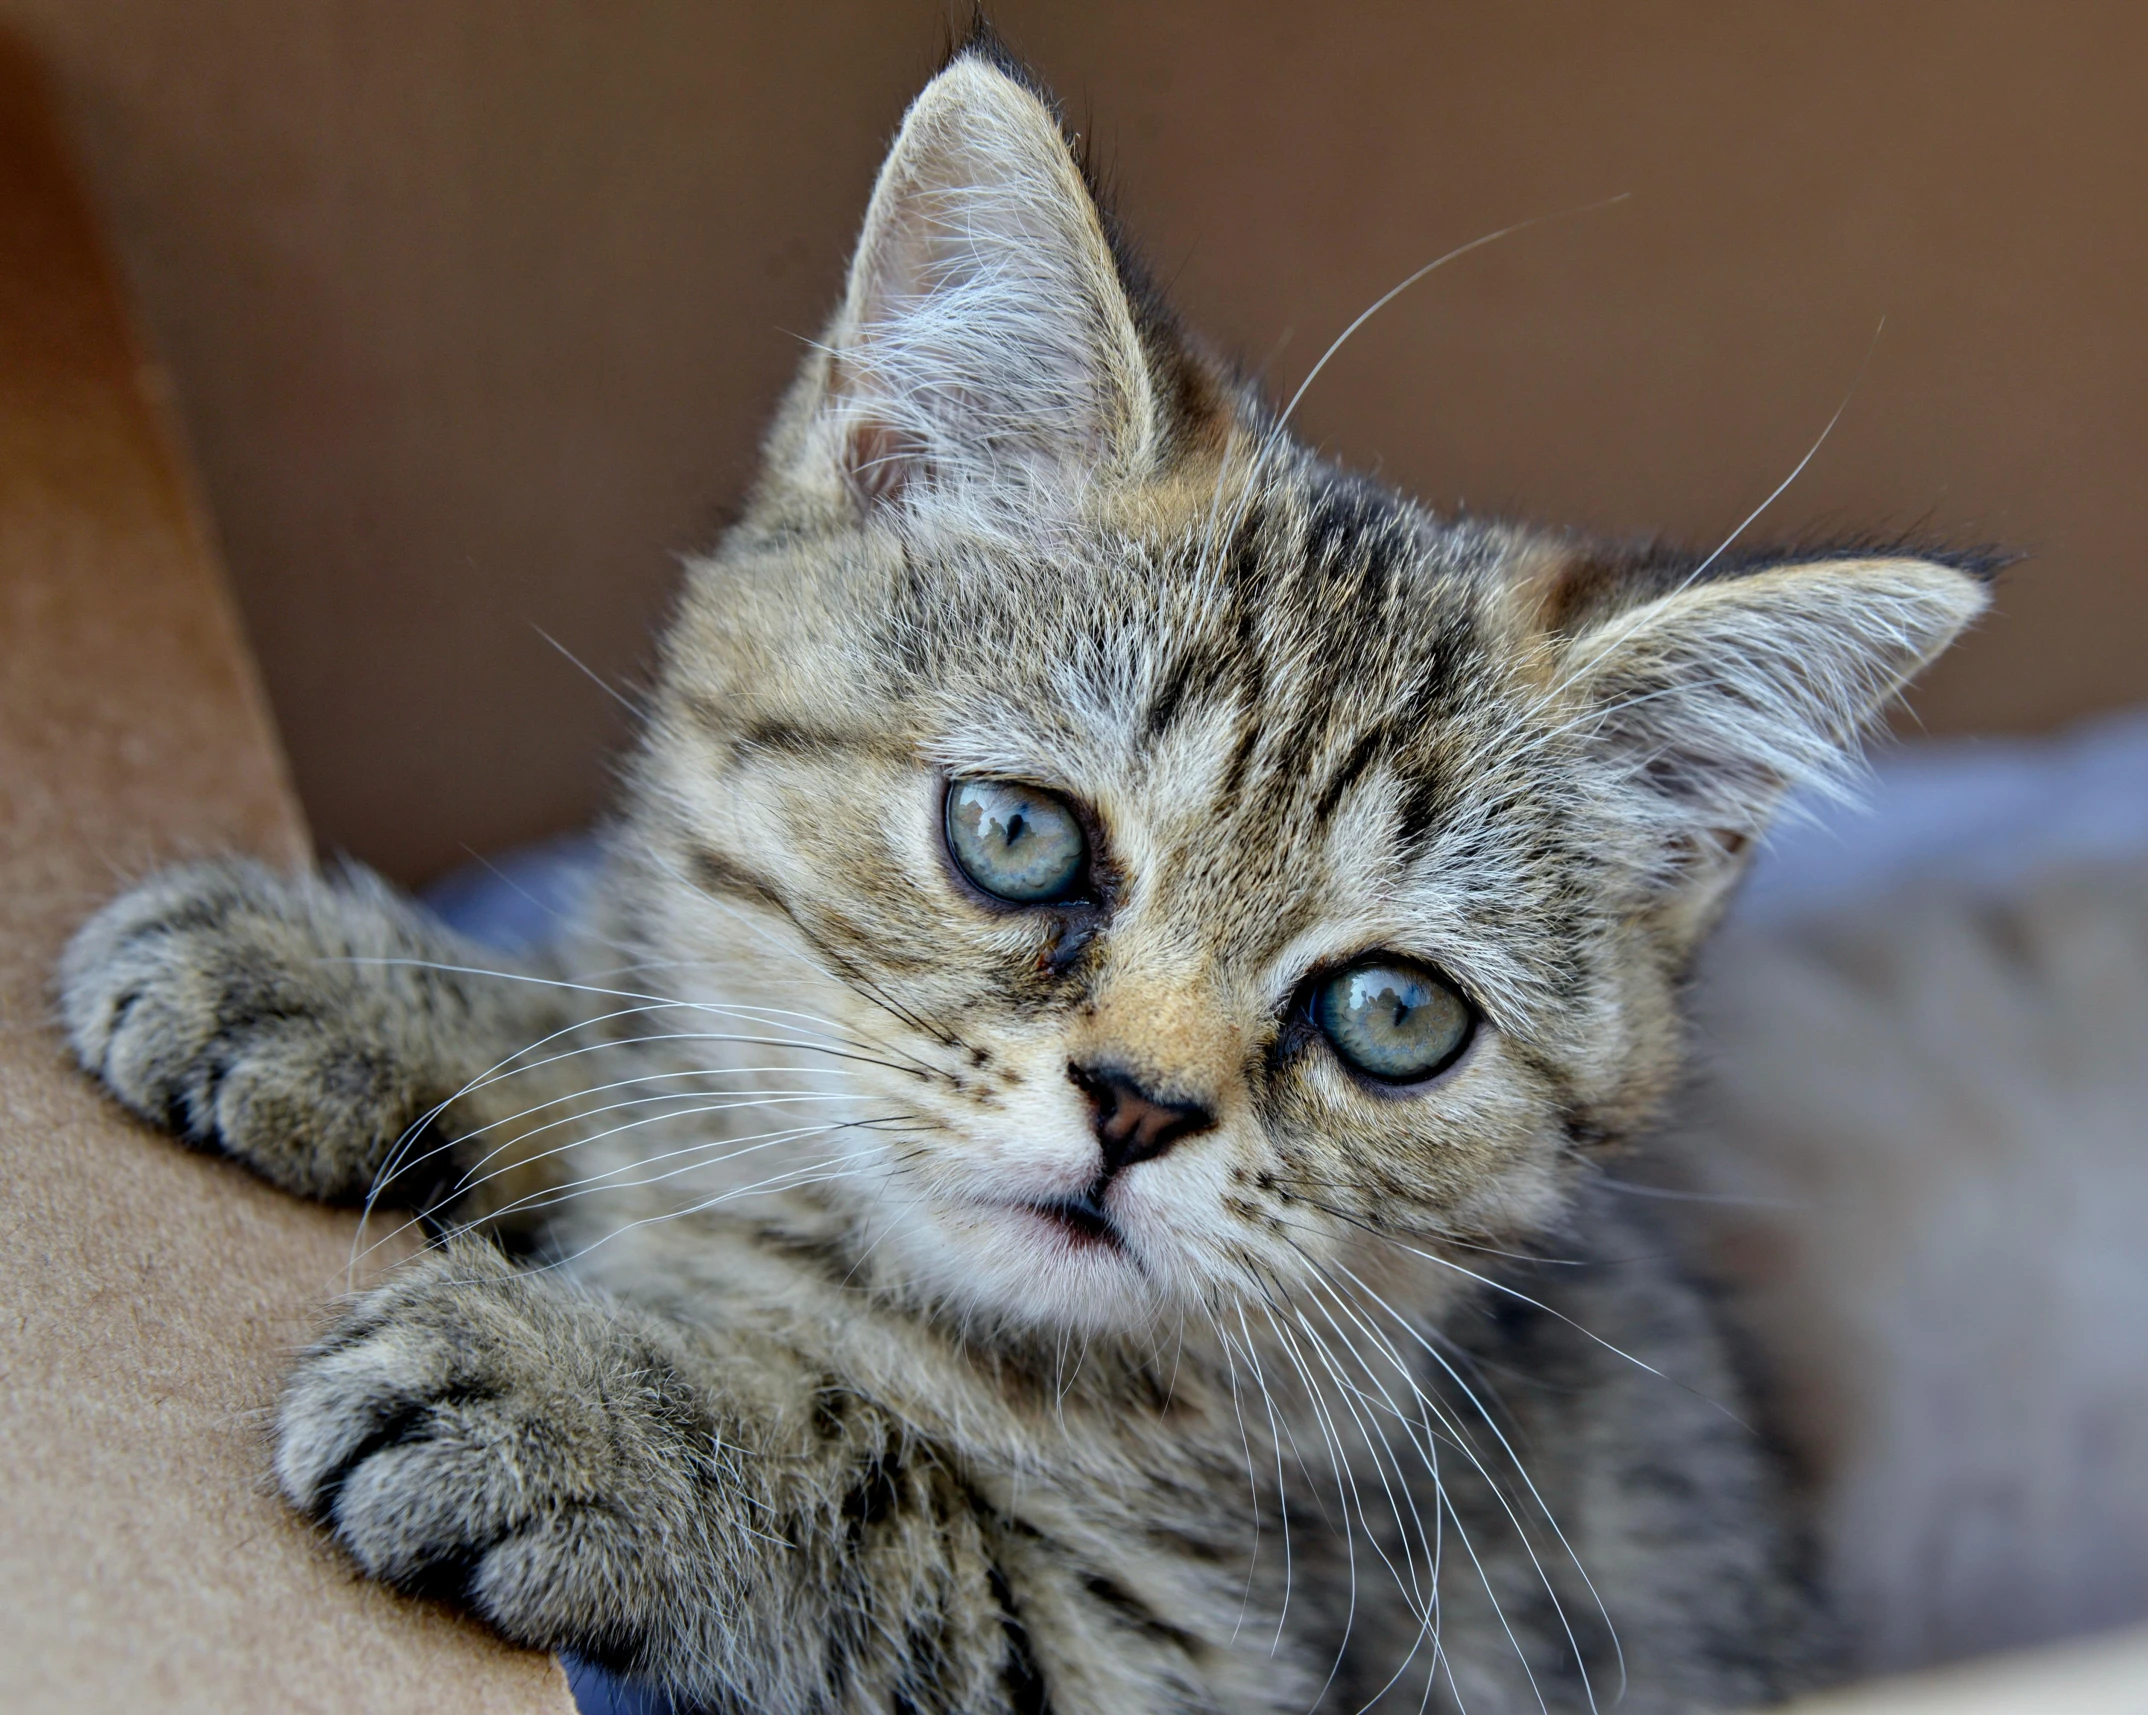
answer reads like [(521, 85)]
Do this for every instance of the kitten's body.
[(850, 1379)]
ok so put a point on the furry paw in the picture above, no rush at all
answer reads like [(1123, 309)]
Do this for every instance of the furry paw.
[(259, 1015), (485, 1435)]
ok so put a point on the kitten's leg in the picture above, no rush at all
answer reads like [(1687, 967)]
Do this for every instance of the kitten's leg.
[(713, 1511), (302, 1026)]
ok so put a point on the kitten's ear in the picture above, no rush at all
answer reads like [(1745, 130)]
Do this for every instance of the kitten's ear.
[(986, 347), (1718, 695)]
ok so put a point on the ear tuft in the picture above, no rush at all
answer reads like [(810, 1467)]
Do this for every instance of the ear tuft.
[(985, 348)]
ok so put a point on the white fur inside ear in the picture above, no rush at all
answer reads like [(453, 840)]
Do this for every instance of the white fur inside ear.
[(985, 349), (1718, 698)]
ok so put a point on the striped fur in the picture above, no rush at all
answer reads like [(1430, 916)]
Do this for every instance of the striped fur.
[(794, 1403)]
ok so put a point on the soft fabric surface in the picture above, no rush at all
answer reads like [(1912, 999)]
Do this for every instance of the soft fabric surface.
[(1923, 1114), (1987, 813), (1922, 1074)]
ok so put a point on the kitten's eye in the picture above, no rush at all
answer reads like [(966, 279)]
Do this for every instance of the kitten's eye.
[(1395, 1022), (1018, 843)]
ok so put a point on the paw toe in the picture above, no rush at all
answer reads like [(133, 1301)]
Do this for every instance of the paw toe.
[(225, 1003), (345, 1403), (474, 1432), (147, 988), (417, 1513)]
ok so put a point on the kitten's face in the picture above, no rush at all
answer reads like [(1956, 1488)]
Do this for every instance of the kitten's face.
[(1231, 878), (1246, 783)]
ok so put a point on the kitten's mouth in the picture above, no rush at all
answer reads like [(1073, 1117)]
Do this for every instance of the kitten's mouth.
[(1082, 1220)]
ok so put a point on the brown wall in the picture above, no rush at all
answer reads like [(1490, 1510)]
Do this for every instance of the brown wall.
[(473, 306)]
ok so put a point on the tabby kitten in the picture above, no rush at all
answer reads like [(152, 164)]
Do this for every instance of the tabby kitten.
[(1121, 943)]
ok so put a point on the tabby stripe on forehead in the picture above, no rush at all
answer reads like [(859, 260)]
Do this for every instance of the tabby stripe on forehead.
[(1350, 515), (779, 733), (1249, 586), (1249, 736), (1362, 754), (798, 739), (1335, 544), (1170, 695), (1429, 803), (1429, 792)]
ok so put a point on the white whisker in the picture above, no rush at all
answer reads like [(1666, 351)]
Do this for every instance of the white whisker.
[(793, 1179), (737, 1105), (1275, 1437), (1798, 470), (1522, 1471), (1345, 1488)]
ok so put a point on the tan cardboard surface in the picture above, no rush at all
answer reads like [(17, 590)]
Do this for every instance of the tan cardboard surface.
[(148, 1297)]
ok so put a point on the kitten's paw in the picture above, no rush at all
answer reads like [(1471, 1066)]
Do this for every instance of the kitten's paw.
[(236, 1007), (478, 1433)]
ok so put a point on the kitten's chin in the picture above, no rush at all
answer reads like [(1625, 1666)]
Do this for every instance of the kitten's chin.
[(1053, 1266)]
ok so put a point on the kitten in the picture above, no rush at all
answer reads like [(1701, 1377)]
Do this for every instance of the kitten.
[(1122, 943)]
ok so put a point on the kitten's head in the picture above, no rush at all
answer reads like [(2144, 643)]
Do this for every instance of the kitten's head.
[(1224, 871)]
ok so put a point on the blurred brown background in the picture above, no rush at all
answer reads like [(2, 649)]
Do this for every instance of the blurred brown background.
[(473, 307)]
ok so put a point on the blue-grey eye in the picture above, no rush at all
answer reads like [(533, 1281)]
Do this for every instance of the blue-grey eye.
[(1396, 1022), (1018, 843)]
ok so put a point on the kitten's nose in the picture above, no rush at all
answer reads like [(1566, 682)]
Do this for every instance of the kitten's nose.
[(1131, 1124)]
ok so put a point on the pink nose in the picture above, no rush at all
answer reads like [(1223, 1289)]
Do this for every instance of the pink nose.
[(1131, 1124)]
